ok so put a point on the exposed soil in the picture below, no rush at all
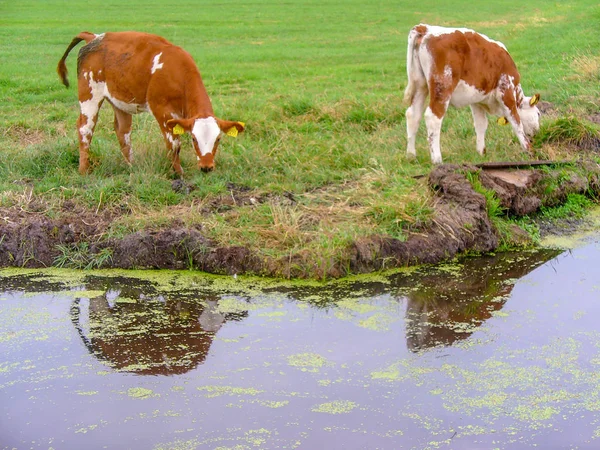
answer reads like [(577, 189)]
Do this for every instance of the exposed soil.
[(29, 238)]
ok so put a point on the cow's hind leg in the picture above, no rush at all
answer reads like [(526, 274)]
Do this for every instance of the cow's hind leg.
[(123, 123), (434, 115), (413, 117), (481, 123), (86, 123)]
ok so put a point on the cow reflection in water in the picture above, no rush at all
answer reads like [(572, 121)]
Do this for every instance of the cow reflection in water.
[(133, 331), (449, 302)]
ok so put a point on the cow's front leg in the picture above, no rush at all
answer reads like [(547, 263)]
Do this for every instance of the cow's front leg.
[(512, 115), (481, 123), (434, 127), (123, 122), (173, 144)]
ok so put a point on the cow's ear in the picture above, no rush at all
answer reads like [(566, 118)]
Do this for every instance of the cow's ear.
[(502, 120), (180, 126), (231, 128), (534, 100)]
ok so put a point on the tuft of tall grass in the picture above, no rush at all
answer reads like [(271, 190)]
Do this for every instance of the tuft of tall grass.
[(569, 131)]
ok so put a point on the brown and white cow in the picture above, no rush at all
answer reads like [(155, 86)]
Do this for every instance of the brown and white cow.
[(460, 67), (140, 72)]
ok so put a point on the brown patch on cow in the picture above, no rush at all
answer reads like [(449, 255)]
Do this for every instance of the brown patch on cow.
[(480, 61)]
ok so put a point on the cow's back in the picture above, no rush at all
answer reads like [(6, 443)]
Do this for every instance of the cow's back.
[(130, 62), (474, 58)]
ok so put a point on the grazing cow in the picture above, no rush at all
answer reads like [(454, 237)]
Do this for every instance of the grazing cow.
[(139, 72), (460, 67)]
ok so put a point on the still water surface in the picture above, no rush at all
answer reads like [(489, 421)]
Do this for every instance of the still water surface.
[(496, 352)]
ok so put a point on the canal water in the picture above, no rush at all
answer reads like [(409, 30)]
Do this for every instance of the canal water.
[(492, 352)]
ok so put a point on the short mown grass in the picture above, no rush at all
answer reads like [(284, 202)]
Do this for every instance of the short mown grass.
[(319, 85)]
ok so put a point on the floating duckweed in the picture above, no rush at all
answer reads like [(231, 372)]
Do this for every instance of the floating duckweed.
[(273, 404), (527, 414), (232, 305), (309, 362), (178, 445), (84, 294), (87, 392), (216, 391), (86, 429), (272, 314), (139, 392), (356, 305), (336, 407), (377, 322), (125, 300)]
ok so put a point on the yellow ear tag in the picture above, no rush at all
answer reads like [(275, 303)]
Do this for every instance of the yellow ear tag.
[(534, 100), (178, 129), (232, 132), (502, 121)]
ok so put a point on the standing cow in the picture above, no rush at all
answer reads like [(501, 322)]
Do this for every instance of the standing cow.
[(139, 72), (460, 67)]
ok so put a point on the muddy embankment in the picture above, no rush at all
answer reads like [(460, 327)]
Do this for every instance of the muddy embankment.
[(460, 223)]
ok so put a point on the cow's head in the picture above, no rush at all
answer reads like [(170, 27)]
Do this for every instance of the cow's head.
[(530, 115), (206, 134)]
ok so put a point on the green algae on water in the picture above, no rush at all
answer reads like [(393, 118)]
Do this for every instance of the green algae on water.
[(307, 362), (140, 393), (335, 407), (216, 391)]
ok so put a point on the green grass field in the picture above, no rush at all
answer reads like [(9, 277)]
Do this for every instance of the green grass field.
[(319, 86)]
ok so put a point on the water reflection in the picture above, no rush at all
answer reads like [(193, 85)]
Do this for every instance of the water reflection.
[(444, 303), (448, 303), (133, 329)]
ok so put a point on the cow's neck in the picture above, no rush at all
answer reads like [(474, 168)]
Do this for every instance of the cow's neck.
[(197, 102)]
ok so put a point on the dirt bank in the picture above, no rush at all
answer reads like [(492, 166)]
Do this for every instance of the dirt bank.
[(460, 223)]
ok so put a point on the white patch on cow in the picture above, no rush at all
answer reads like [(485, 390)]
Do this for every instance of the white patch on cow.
[(465, 95), (99, 36), (173, 140), (129, 108), (206, 131), (530, 117), (434, 127), (89, 108), (481, 123), (127, 138), (156, 64)]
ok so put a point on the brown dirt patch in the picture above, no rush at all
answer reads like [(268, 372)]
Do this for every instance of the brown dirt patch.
[(24, 136), (29, 238)]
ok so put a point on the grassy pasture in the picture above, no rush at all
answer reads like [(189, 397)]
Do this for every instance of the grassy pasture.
[(319, 85)]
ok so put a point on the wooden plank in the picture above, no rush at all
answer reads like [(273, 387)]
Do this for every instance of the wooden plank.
[(520, 164), (513, 165)]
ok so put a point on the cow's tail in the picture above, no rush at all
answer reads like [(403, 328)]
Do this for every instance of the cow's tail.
[(62, 67), (413, 68)]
